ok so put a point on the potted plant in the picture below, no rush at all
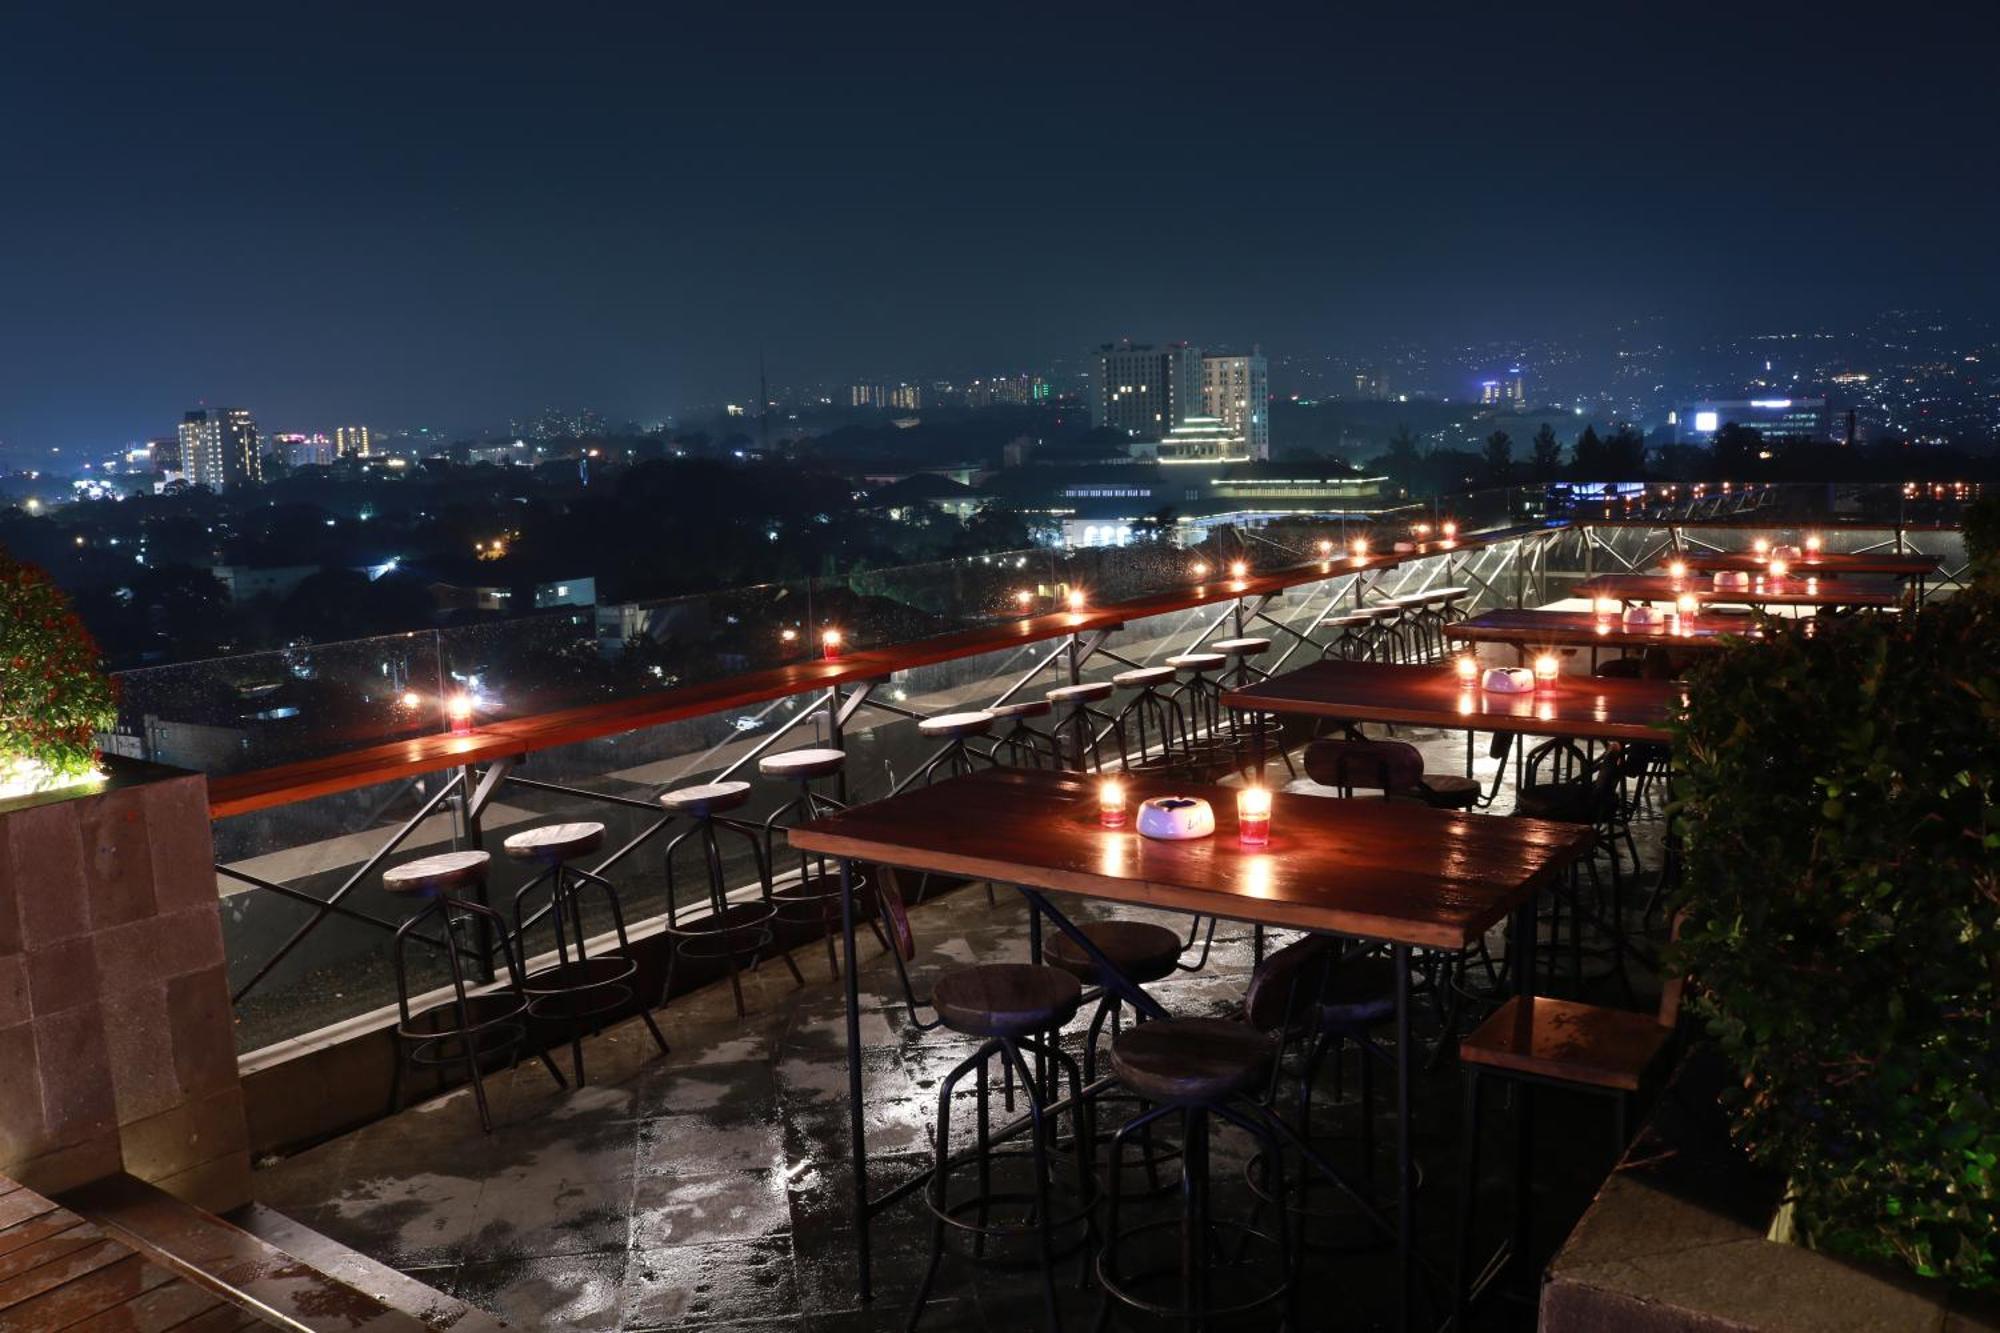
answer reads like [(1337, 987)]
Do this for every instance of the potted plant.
[(53, 698), (1837, 789)]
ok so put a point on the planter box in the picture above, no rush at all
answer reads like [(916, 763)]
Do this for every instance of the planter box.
[(117, 1040), (1676, 1241)]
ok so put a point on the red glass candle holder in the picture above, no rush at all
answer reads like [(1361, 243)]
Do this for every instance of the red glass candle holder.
[(1112, 808), (1253, 817)]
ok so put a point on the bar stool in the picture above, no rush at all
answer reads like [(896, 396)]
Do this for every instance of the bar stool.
[(1024, 746), (814, 897), (1351, 641), (470, 1025), (1395, 768), (731, 931), (1151, 705), (1193, 1068), (1402, 627), (957, 756), (1240, 672), (1081, 723), (1009, 1008), (1441, 608), (1199, 692), (584, 988)]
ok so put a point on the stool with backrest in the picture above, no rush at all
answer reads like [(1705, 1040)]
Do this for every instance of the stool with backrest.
[(1009, 1009), (734, 932), (812, 896), (472, 1024), (1538, 1042), (1564, 783), (579, 987)]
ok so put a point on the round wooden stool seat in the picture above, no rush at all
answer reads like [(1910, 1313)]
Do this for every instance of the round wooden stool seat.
[(802, 764), (1196, 663), (1133, 679), (1360, 993), (957, 724), (1140, 950), (1409, 601), (1241, 647), (710, 798), (1380, 612), (1352, 620), (1006, 999), (1088, 692), (554, 842), (436, 874), (1450, 791), (1025, 708), (1191, 1059), (1448, 594)]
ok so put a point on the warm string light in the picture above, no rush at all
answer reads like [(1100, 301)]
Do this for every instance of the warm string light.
[(1253, 816)]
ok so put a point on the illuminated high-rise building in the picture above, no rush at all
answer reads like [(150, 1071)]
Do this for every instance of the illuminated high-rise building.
[(1235, 390), (1145, 391), (219, 448), (351, 441)]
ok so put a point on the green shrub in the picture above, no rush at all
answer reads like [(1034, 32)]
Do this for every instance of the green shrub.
[(1981, 525), (53, 698), (1843, 888)]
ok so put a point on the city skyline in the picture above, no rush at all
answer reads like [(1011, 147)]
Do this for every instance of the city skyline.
[(404, 221)]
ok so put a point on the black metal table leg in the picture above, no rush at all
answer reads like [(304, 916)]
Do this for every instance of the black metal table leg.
[(1406, 1167), (859, 1146)]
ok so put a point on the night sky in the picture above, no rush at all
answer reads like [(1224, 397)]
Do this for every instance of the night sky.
[(449, 214)]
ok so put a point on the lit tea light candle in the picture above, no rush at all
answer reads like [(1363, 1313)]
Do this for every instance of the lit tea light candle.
[(1761, 547), (1200, 570), (411, 700), (1812, 543), (1467, 667), (1547, 667), (1024, 600), (1325, 548), (1677, 570), (829, 643), (1076, 599), (459, 710), (1812, 586), (1238, 569), (1779, 568), (1253, 817), (1687, 605), (1360, 548), (1607, 606), (1448, 530), (1111, 807), (1422, 531)]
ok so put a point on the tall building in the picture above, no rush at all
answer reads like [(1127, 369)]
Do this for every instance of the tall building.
[(1143, 390), (351, 441), (219, 448), (1236, 391), (1510, 390)]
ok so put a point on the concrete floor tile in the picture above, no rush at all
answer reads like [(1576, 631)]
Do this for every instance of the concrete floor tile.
[(691, 1285), (684, 1210)]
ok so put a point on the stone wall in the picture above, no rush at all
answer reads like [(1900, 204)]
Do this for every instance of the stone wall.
[(117, 1042)]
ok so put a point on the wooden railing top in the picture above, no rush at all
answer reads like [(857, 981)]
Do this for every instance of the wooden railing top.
[(259, 789)]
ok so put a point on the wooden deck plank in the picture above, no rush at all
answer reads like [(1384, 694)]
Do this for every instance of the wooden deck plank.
[(92, 1294)]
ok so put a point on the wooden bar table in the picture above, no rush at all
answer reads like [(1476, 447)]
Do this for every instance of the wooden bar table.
[(1798, 588), (1581, 707), (1402, 875), (1528, 630), (1826, 564)]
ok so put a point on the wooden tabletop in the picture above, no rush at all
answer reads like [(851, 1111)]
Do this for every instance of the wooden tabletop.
[(1583, 707), (1828, 564), (1401, 874), (1549, 629), (1793, 590)]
